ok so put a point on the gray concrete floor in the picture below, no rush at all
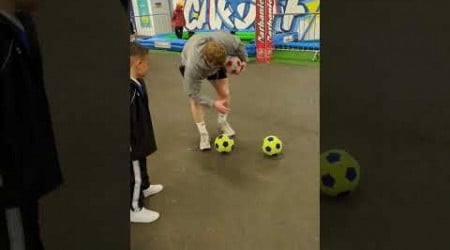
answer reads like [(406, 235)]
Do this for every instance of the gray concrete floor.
[(244, 200)]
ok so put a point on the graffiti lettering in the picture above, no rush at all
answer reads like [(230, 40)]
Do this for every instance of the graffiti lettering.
[(293, 10), (233, 14), (245, 15)]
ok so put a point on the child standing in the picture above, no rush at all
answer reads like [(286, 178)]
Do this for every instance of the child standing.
[(142, 137), (178, 20)]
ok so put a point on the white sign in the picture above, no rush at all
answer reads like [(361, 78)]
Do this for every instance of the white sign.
[(163, 45)]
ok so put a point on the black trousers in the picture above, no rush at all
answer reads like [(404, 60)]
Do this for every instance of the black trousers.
[(179, 32), (139, 180), (190, 34), (19, 227)]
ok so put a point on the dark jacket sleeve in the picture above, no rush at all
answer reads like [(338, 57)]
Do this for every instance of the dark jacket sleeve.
[(142, 138), (125, 4), (133, 119), (30, 166), (6, 155)]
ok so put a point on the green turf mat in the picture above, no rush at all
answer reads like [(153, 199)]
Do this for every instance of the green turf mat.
[(245, 37), (301, 58)]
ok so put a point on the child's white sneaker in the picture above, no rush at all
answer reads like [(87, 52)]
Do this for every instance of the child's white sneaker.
[(153, 189), (204, 142), (143, 216), (226, 129)]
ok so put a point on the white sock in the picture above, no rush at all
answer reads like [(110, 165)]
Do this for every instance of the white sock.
[(222, 118), (202, 128)]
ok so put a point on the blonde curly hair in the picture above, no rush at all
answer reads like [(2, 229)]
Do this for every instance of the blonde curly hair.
[(214, 53), (180, 3)]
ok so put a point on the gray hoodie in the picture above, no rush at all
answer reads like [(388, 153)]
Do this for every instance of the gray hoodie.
[(196, 68)]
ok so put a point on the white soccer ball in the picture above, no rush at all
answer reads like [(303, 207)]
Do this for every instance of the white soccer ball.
[(234, 65)]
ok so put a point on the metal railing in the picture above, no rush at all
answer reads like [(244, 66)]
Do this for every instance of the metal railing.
[(150, 25), (298, 32)]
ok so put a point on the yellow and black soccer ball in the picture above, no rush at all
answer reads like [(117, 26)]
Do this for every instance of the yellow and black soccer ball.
[(272, 145), (224, 143), (339, 173)]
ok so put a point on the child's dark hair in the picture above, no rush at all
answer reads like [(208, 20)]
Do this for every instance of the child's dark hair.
[(137, 50)]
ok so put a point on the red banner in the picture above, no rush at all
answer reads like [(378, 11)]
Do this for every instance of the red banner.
[(263, 30), (260, 31)]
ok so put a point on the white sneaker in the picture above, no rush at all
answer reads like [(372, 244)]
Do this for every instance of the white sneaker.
[(226, 129), (204, 142), (143, 216), (153, 189)]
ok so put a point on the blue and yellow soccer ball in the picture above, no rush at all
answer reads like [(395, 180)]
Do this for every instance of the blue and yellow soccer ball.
[(224, 144), (272, 145), (339, 173)]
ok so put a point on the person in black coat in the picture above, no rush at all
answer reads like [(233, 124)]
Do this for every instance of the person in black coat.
[(29, 167), (126, 6), (142, 138)]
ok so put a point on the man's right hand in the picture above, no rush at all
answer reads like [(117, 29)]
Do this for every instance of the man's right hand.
[(220, 107)]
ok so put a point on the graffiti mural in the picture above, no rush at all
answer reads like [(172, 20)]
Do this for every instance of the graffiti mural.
[(240, 14)]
